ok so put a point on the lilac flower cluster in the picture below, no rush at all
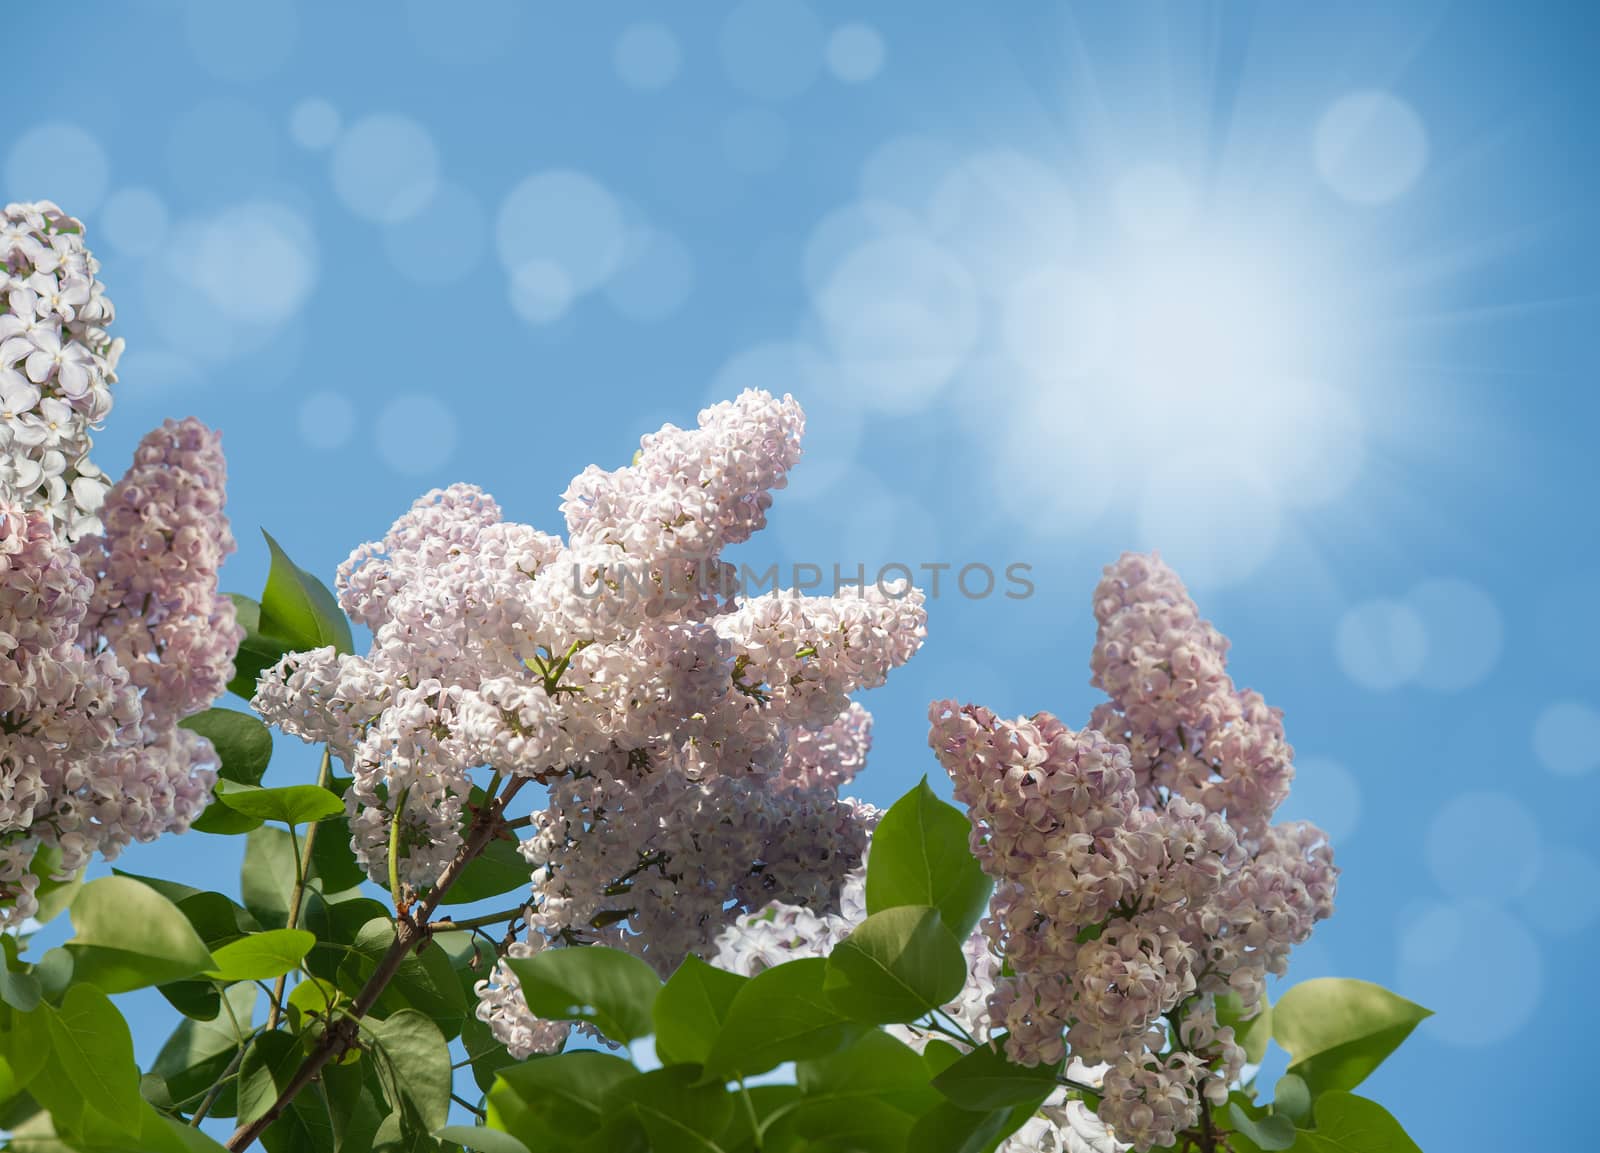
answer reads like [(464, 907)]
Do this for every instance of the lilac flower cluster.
[(104, 647), (57, 365), (692, 747), (1137, 876)]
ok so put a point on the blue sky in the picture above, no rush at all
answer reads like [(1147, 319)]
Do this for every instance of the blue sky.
[(1299, 294)]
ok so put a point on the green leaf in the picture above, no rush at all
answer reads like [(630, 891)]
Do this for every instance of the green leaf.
[(691, 1008), (129, 936), (337, 924), (986, 1079), (175, 891), (611, 989), (875, 1063), (865, 1096), (262, 956), (424, 981), (243, 744), (54, 971), (677, 1115), (895, 966), (217, 919), (500, 868), (1339, 1030), (266, 879), (413, 1059), (939, 1055), (355, 1105), (481, 1139), (313, 999), (19, 990), (1291, 1097), (26, 1045), (220, 821), (1350, 1124), (336, 867), (91, 1041), (947, 1128), (198, 1052), (269, 1065), (1271, 1132), (257, 652), (1250, 1035), (298, 608), (545, 1102), (291, 804), (781, 1015), (196, 1000), (921, 855)]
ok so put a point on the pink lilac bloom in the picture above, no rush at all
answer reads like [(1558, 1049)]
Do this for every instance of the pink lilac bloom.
[(104, 647), (1137, 873), (692, 745), (111, 627)]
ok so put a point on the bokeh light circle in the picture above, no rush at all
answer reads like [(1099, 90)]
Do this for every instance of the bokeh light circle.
[(60, 162), (1381, 644), (1566, 738), (846, 229), (257, 262), (647, 56), (314, 124), (855, 53), (1370, 147), (416, 434), (1449, 954), (564, 218), (385, 168), (541, 292), (902, 316)]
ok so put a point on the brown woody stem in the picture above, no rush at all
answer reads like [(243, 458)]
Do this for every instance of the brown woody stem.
[(411, 934)]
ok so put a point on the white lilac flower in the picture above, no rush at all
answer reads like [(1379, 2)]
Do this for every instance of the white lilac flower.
[(57, 365), (692, 753)]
